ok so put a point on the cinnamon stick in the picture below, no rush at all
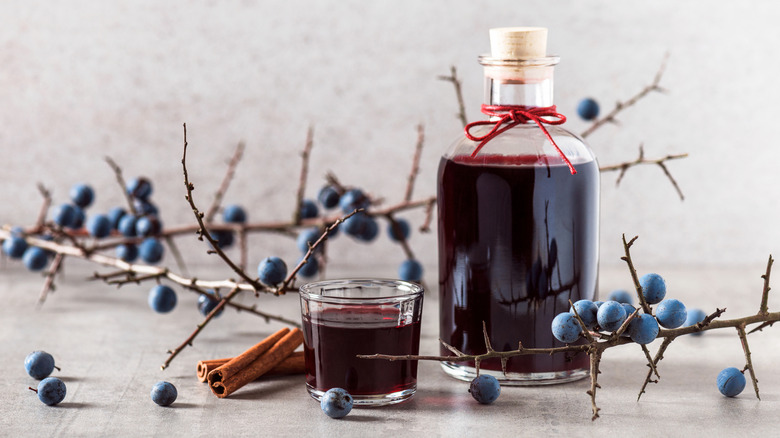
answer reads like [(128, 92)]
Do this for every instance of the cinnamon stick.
[(230, 377), (241, 361), (292, 364)]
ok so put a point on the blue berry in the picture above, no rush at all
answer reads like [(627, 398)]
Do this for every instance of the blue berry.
[(126, 225), (144, 207), (82, 195), (207, 303), (272, 271), (731, 382), (114, 215), (643, 329), (127, 252), (234, 214), (14, 246), (653, 288), (695, 316), (78, 218), (64, 215), (310, 269), (611, 315), (336, 403), (410, 270), (151, 250), (309, 209), (39, 364), (671, 313), (35, 258), (140, 188), (164, 393), (51, 391), (621, 296), (485, 389), (353, 199), (224, 238), (565, 327), (307, 237), (147, 226), (628, 308), (588, 108), (370, 230), (587, 311), (329, 197), (99, 226), (355, 225), (598, 304), (400, 231), (162, 299)]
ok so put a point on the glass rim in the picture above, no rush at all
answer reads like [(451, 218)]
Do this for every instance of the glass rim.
[(547, 61), (413, 290)]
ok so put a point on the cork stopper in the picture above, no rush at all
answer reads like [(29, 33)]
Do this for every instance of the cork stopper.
[(518, 42)]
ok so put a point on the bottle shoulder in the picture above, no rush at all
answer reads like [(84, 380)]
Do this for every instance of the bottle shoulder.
[(527, 139)]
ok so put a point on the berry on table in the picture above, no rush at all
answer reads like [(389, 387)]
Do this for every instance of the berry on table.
[(207, 303), (329, 197), (643, 329), (410, 270), (14, 246), (611, 315), (653, 288), (731, 382), (336, 403), (164, 393), (35, 258), (234, 214), (127, 252), (399, 230), (588, 108), (566, 328), (485, 389), (671, 313), (309, 209), (82, 195), (140, 188), (51, 391), (64, 215), (695, 316), (162, 299), (272, 271), (39, 364), (587, 311), (151, 250), (99, 226), (621, 296)]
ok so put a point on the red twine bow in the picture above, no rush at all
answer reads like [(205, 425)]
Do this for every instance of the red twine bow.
[(515, 115)]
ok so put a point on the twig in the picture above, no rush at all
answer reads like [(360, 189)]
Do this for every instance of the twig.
[(661, 162), (188, 342), (748, 360), (122, 185), (659, 355), (48, 283), (177, 255), (765, 293), (595, 360), (634, 276), (44, 211), (304, 174), (226, 180), (415, 163), (611, 117), (426, 226), (453, 78)]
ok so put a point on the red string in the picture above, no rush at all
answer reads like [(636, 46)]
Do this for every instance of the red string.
[(515, 115)]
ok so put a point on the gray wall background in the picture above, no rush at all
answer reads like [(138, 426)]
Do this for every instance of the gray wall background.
[(84, 79)]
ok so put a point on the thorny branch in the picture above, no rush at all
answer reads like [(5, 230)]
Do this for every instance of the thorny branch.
[(122, 185), (226, 180), (453, 78), (660, 162)]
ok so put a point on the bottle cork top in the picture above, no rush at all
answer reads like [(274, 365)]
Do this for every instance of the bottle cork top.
[(518, 42)]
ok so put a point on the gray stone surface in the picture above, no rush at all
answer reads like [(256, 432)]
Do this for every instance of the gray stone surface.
[(110, 345)]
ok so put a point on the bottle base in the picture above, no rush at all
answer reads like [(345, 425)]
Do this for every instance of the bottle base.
[(467, 373)]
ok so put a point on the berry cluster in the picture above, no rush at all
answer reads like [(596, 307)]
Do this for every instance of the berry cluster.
[(610, 315)]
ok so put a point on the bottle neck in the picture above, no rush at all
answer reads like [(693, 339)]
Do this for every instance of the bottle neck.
[(530, 86)]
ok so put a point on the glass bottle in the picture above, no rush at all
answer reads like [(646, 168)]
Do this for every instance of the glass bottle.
[(518, 231)]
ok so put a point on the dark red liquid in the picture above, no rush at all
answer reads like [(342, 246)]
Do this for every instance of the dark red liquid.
[(518, 239), (330, 351)]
